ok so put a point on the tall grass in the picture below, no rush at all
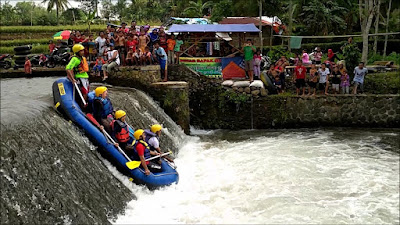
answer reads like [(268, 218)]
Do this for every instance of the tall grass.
[(37, 49), (19, 42)]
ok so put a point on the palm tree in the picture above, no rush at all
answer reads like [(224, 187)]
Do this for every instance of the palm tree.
[(196, 9), (60, 5)]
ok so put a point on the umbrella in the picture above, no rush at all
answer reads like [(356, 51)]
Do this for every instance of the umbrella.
[(62, 35)]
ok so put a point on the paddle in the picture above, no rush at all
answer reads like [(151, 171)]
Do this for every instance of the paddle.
[(157, 156), (80, 94), (131, 164)]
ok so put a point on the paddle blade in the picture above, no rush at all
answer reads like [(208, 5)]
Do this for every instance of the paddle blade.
[(133, 164)]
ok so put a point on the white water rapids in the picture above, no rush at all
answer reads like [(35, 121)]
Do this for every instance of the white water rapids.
[(276, 177)]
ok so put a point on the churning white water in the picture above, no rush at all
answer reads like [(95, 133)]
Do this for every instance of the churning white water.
[(325, 177)]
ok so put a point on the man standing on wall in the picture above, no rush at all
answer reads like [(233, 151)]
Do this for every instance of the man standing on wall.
[(249, 49), (162, 57)]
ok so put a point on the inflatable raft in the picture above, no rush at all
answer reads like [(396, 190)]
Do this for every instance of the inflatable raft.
[(64, 103)]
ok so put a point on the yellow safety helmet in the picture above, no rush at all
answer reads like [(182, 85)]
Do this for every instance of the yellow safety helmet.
[(138, 133), (155, 128), (119, 114), (77, 48), (100, 90)]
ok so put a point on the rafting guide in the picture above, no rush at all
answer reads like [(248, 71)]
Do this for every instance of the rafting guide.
[(77, 69)]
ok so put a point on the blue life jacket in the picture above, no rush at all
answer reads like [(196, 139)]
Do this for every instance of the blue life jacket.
[(91, 96), (149, 135), (107, 106), (146, 150)]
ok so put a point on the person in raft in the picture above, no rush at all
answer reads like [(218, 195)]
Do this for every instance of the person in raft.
[(120, 130), (153, 139), (142, 152), (102, 108), (77, 69)]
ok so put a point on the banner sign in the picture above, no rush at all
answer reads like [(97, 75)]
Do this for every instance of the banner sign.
[(208, 66), (233, 68)]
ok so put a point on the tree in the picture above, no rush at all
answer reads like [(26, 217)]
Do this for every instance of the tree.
[(323, 17), (120, 8), (196, 9), (221, 9), (7, 14), (106, 10), (387, 27), (367, 10), (59, 4), (375, 48), (89, 17), (73, 14)]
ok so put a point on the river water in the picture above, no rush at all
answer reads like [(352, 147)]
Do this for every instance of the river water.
[(50, 173), (292, 176)]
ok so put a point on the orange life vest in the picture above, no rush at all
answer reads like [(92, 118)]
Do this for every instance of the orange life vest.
[(123, 135)]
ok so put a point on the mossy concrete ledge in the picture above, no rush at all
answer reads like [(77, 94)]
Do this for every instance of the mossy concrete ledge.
[(173, 97)]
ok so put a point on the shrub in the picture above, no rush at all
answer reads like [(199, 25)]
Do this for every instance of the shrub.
[(383, 83)]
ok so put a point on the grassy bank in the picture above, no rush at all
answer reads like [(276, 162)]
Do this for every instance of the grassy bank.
[(19, 42), (37, 49)]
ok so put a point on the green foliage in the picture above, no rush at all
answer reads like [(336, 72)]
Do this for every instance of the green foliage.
[(221, 9), (395, 57), (60, 5), (36, 49), (352, 56), (323, 17), (48, 29), (231, 97), (197, 9), (19, 42), (277, 51), (73, 15), (383, 83)]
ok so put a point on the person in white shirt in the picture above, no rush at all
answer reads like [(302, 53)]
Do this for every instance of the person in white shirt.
[(359, 75), (101, 43), (112, 62), (152, 138), (323, 73)]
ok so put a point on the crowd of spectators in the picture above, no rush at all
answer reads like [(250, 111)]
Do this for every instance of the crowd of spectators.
[(311, 74), (126, 46)]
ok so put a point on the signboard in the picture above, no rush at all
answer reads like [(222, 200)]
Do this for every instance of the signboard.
[(208, 66), (233, 68)]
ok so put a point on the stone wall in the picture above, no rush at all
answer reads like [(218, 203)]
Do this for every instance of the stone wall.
[(215, 107)]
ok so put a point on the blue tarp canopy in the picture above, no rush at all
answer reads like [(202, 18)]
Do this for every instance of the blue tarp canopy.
[(213, 28)]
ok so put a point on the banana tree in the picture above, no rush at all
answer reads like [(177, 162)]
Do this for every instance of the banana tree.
[(89, 18)]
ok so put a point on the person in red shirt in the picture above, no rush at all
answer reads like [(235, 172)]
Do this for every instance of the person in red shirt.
[(131, 43), (51, 46), (299, 77), (142, 152)]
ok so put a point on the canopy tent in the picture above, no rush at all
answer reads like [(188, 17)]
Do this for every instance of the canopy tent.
[(213, 28)]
